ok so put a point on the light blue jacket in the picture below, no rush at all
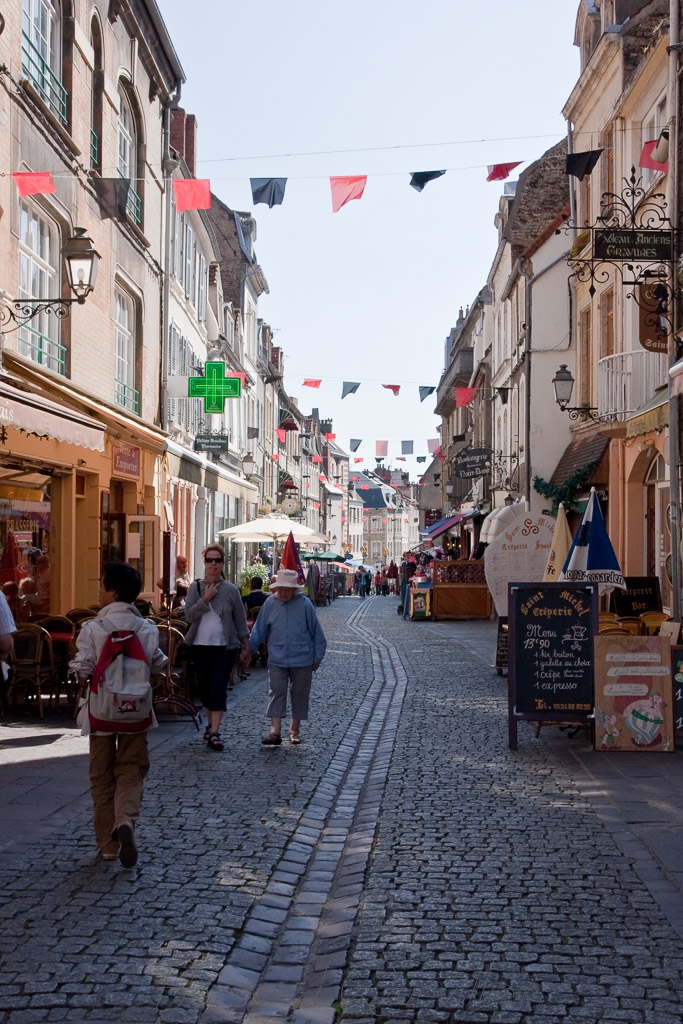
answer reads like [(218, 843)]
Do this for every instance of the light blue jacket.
[(292, 632)]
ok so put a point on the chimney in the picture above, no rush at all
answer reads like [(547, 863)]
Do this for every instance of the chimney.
[(178, 119), (191, 143)]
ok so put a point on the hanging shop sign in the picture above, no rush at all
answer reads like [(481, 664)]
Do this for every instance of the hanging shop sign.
[(472, 462), (211, 443), (629, 244)]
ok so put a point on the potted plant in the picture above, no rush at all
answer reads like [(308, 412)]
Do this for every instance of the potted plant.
[(257, 568)]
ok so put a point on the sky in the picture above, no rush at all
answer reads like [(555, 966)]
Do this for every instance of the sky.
[(308, 90)]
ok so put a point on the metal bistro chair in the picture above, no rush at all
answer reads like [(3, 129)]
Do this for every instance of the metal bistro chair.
[(32, 665), (170, 688), (615, 631), (651, 621), (77, 615), (631, 623)]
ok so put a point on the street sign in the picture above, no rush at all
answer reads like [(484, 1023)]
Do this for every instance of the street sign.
[(630, 244)]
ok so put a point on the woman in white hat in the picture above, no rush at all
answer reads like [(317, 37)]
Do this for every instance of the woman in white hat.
[(289, 625)]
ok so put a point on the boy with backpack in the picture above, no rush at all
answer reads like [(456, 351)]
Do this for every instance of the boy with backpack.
[(118, 650)]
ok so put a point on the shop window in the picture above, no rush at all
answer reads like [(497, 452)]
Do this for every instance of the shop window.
[(39, 246), (125, 353), (41, 54), (25, 524)]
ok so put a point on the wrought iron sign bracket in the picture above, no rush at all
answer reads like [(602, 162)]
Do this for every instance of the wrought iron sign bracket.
[(635, 239)]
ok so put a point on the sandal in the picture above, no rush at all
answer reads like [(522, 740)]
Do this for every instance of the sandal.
[(273, 739), (294, 738), (207, 733), (214, 742)]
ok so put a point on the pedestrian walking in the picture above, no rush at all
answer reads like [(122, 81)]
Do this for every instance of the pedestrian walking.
[(218, 629), (296, 646), (119, 761)]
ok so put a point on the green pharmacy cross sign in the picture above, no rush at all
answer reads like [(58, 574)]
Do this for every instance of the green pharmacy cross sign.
[(214, 387)]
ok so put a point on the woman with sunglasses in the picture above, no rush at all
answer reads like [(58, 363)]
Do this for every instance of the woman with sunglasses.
[(218, 632)]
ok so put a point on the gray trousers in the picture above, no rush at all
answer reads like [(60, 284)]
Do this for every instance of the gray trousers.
[(299, 682)]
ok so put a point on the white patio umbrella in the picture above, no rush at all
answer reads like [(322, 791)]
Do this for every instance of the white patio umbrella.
[(272, 528)]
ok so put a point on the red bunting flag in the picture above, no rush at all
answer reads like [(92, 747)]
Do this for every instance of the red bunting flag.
[(311, 383), (385, 520), (290, 558), (355, 479), (405, 520), (34, 183), (308, 483), (393, 387), (330, 437), (346, 189), (322, 477), (463, 397), (316, 504), (365, 487), (281, 435), (433, 445), (316, 458), (359, 460), (192, 194), (647, 161), (399, 458), (441, 456), (381, 449), (499, 172), (275, 457)]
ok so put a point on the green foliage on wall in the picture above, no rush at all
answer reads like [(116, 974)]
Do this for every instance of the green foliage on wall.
[(568, 491)]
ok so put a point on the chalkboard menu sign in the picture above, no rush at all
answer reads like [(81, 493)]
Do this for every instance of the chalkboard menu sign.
[(642, 594), (550, 657), (677, 673)]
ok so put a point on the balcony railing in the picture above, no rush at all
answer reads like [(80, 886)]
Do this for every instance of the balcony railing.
[(134, 205), (41, 349), (94, 148), (126, 396), (628, 380), (37, 69)]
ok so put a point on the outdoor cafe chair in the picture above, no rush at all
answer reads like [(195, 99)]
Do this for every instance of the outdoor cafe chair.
[(32, 665), (171, 691), (631, 623), (651, 621), (615, 631), (75, 615)]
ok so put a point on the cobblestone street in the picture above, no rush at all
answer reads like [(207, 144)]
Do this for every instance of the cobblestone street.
[(401, 865)]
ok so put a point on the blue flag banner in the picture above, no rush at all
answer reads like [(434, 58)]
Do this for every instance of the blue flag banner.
[(268, 190)]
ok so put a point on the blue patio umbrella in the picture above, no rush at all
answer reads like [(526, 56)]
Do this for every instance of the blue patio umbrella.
[(591, 557)]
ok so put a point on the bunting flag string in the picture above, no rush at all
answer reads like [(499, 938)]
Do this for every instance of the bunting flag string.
[(349, 388), (499, 172), (355, 443), (395, 388), (270, 191), (425, 392), (419, 179), (463, 396), (309, 383), (281, 435), (34, 183), (581, 164), (345, 189), (112, 196), (192, 194), (406, 447), (647, 161)]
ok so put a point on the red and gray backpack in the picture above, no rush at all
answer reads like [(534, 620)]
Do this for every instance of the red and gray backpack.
[(120, 696)]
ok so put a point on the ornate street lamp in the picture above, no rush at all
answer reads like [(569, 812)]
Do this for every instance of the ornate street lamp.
[(248, 464), (563, 385), (80, 266)]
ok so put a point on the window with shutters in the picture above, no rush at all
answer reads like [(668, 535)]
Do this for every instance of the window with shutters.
[(172, 369)]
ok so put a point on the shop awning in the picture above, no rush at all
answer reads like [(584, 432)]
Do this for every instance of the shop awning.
[(436, 529), (37, 415), (652, 415), (580, 452), (199, 470)]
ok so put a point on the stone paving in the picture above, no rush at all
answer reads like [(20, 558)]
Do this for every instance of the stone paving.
[(401, 865)]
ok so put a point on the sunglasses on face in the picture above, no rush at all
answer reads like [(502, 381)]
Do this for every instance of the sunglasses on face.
[(218, 560)]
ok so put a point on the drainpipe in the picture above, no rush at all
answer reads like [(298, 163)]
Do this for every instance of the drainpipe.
[(169, 164), (674, 401), (530, 280)]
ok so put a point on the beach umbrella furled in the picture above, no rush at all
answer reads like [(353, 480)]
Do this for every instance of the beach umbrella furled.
[(562, 541)]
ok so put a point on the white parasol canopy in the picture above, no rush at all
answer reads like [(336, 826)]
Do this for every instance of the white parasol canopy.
[(273, 528)]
